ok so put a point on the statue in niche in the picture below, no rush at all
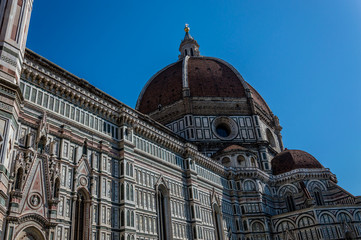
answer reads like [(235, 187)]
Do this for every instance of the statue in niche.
[(85, 148), (42, 134)]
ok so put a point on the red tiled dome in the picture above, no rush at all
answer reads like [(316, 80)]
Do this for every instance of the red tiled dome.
[(230, 149), (200, 77), (163, 90), (289, 160), (234, 148), (211, 78)]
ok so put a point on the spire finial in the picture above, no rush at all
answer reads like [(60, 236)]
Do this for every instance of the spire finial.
[(188, 46), (186, 28)]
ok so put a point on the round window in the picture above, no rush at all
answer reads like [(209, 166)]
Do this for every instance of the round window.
[(224, 128)]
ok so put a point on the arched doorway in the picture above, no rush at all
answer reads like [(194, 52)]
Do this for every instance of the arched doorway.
[(30, 233), (163, 212), (82, 216)]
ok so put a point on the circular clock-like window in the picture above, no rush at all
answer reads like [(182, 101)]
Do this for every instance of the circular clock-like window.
[(224, 128)]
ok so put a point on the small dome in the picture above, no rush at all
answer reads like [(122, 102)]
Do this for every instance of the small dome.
[(230, 149), (234, 148), (289, 160)]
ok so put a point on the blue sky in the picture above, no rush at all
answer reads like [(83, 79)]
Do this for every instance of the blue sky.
[(304, 58)]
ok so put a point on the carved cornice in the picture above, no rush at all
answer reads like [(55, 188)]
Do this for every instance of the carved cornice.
[(250, 172), (50, 77), (192, 152), (37, 218), (304, 174)]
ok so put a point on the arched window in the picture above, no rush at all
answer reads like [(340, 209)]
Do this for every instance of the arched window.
[(132, 219), (131, 193), (81, 216), (343, 217), (192, 212), (131, 170), (19, 179), (285, 226), (245, 225), (243, 211), (290, 203), (328, 229), (305, 222), (56, 188), (192, 52), (270, 138), (128, 192), (128, 218), (318, 197), (241, 160), (85, 148), (121, 168), (185, 52), (127, 169), (257, 227), (326, 218), (258, 230), (217, 219), (238, 185), (226, 161), (249, 186), (122, 191), (122, 218), (358, 217), (163, 211)]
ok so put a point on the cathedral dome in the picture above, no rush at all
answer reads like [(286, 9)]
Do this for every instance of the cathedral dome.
[(289, 160), (202, 77), (199, 85)]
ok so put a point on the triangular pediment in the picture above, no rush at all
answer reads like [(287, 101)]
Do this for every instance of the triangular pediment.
[(83, 167), (161, 181), (214, 198), (34, 196)]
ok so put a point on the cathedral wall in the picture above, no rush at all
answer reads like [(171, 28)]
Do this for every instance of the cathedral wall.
[(118, 170)]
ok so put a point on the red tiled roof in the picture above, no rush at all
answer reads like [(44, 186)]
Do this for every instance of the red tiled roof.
[(164, 89), (211, 78), (207, 77)]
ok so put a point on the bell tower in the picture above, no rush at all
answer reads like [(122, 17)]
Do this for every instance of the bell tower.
[(14, 25)]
